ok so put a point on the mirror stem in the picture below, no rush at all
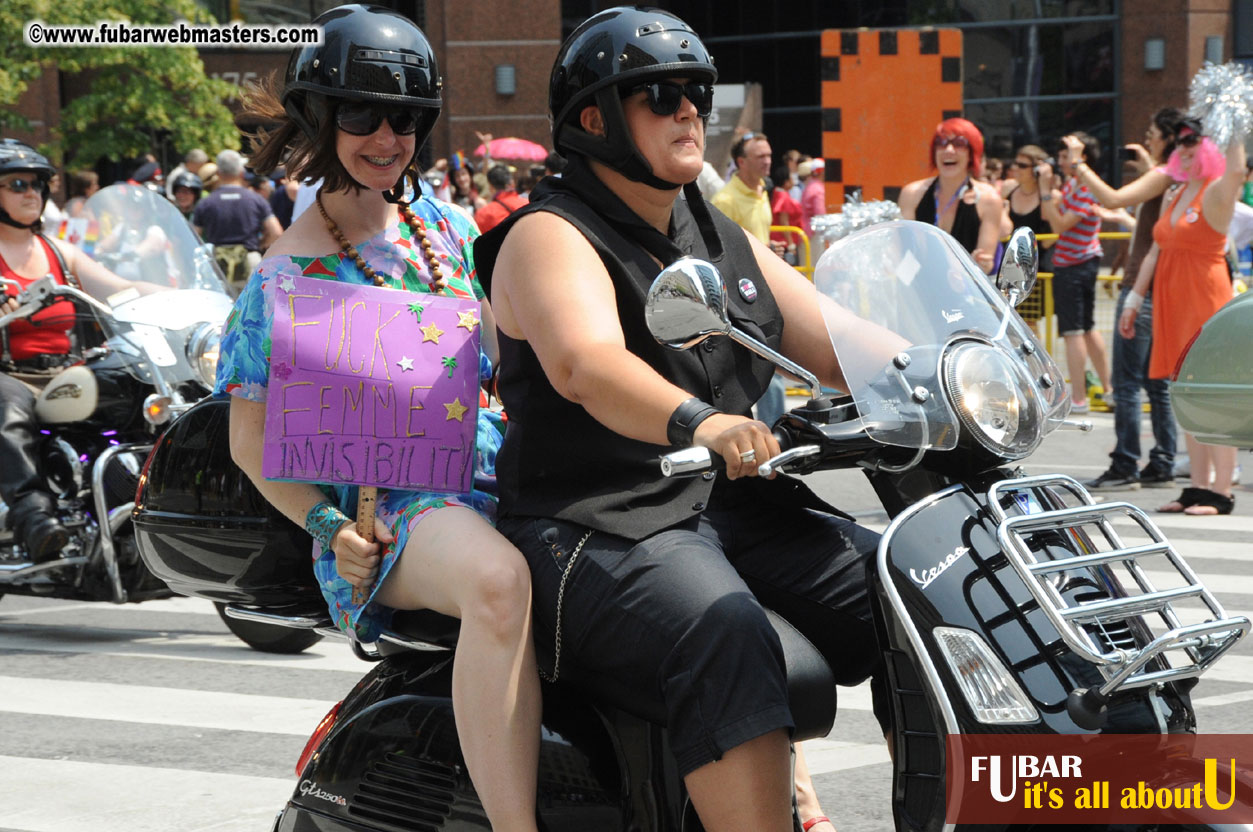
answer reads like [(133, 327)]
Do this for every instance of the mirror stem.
[(815, 387)]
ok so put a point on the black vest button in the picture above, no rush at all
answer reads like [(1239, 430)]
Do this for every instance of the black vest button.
[(698, 506), (709, 345), (718, 390)]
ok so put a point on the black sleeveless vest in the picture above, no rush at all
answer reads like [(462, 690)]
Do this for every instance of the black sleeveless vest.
[(557, 461)]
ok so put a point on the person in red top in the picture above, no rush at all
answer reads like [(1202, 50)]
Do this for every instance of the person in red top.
[(783, 211), (505, 199), (34, 345)]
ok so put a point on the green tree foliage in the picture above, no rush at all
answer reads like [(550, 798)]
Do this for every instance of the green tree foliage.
[(135, 92)]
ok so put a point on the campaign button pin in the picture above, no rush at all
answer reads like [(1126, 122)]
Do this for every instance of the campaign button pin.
[(748, 289)]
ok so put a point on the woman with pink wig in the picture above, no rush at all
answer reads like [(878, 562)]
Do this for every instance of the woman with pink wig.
[(956, 199), (1188, 271)]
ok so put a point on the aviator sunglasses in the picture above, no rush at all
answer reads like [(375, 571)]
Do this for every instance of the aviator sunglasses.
[(664, 97), (21, 186), (364, 119)]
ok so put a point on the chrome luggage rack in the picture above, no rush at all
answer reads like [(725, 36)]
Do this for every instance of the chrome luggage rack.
[(1193, 646)]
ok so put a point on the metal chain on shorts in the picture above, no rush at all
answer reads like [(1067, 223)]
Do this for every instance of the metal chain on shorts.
[(561, 597)]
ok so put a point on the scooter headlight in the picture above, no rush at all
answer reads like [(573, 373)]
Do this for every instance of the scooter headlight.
[(994, 399), (202, 353), (991, 691)]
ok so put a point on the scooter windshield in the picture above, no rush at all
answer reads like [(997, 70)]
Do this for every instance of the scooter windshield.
[(171, 287), (921, 289)]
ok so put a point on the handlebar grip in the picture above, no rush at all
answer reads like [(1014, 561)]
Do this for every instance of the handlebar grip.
[(697, 460)]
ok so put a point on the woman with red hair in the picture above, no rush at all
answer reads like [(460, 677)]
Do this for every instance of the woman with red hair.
[(955, 199), (1188, 271)]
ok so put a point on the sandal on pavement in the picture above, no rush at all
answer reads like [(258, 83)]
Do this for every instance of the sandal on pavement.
[(1220, 504), (1189, 497)]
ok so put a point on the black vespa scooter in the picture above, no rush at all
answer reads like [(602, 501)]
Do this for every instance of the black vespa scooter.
[(1003, 602)]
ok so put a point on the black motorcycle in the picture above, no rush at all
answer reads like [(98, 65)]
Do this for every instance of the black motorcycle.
[(139, 359), (1003, 602)]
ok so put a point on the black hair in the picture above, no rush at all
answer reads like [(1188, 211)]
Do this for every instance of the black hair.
[(1167, 120), (1091, 147), (499, 177)]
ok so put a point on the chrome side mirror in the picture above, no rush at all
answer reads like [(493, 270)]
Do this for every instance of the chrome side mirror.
[(686, 304), (1017, 274)]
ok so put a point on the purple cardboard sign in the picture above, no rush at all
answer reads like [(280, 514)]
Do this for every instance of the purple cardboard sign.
[(372, 386)]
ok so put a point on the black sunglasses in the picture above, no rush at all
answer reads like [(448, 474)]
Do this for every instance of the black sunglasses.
[(364, 119), (664, 97), (21, 186)]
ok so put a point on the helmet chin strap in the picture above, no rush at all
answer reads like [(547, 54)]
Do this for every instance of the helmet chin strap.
[(30, 226)]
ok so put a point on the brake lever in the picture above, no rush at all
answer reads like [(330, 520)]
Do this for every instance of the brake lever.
[(776, 463)]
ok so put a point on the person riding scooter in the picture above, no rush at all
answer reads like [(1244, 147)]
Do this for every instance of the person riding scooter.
[(665, 578), (30, 348)]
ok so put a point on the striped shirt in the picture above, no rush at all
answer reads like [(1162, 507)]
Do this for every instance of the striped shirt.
[(1080, 242)]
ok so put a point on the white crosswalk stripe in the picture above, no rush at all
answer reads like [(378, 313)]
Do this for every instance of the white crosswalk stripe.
[(169, 641)]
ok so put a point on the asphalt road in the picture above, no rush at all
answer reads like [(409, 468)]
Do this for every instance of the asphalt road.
[(153, 718)]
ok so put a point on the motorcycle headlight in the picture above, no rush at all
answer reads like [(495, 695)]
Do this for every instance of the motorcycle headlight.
[(202, 353), (994, 399)]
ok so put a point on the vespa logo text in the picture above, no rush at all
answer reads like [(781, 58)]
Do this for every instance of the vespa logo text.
[(924, 580), (310, 789)]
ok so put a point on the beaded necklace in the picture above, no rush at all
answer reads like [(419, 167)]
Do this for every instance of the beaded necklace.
[(416, 227)]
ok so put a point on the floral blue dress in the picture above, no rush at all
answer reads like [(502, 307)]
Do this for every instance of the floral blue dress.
[(244, 371)]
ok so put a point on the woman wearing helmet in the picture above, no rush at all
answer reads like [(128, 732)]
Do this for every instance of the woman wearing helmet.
[(670, 575), (33, 346), (354, 111), (185, 189)]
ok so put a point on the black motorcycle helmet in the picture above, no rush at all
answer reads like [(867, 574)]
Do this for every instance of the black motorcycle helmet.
[(17, 157), (368, 53), (610, 50), (187, 179)]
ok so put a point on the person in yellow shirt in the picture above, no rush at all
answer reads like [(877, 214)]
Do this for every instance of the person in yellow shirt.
[(744, 198)]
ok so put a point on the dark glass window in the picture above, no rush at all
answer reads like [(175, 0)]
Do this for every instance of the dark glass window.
[(1244, 29), (1006, 127)]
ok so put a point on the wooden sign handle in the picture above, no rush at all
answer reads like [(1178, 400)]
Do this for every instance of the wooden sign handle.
[(366, 498)]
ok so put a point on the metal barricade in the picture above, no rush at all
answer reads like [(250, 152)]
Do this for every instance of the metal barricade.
[(804, 265)]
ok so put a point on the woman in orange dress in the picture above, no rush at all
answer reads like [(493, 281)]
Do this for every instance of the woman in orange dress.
[(1191, 284)]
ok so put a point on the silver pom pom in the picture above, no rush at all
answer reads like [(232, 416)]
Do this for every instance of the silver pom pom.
[(856, 215), (1221, 96)]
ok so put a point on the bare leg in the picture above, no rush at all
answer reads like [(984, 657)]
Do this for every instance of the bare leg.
[(1095, 345), (806, 795), (456, 564), (1076, 363), (1212, 467), (749, 788)]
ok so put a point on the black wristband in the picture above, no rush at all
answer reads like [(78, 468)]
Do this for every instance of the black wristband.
[(685, 419)]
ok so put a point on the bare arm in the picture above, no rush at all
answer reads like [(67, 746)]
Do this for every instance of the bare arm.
[(355, 559), (491, 347), (911, 194), (1219, 202), (95, 278), (551, 289), (992, 216), (1151, 184), (270, 231), (1131, 307)]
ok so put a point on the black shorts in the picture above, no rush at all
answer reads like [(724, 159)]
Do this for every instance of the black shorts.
[(1074, 296), (676, 620)]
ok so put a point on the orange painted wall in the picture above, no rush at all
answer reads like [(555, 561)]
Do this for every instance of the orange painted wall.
[(883, 93)]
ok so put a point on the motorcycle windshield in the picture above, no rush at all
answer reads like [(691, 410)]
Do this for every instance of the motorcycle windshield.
[(916, 282), (170, 286)]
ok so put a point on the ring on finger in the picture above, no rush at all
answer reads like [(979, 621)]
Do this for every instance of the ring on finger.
[(749, 456)]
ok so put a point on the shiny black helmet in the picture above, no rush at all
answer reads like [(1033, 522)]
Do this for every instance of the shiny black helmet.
[(613, 49), (368, 53), (18, 156), (189, 180)]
